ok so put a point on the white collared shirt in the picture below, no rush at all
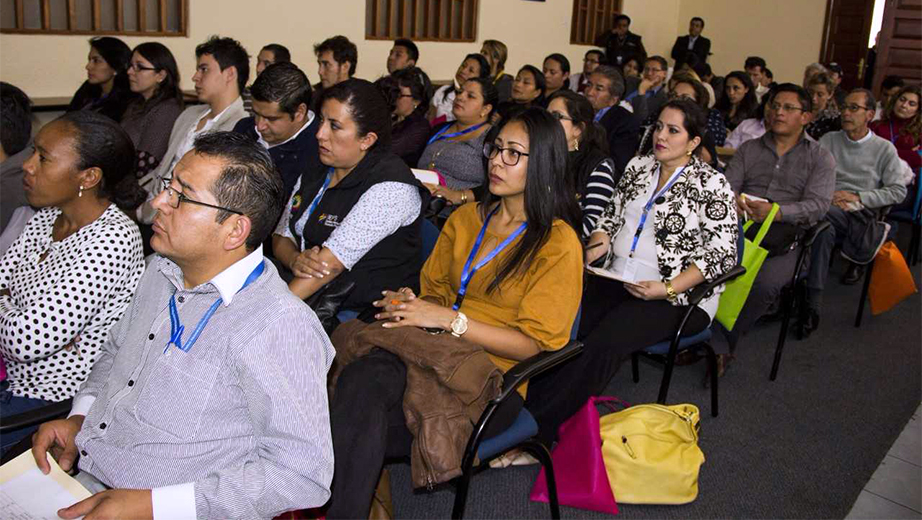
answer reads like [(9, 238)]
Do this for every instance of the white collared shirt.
[(266, 145), (193, 133), (691, 41)]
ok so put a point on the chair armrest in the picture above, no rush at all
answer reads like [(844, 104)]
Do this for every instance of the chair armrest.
[(535, 365), (696, 294), (811, 234), (36, 416)]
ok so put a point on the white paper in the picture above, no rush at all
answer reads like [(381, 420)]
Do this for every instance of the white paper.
[(754, 198), (27, 494), (427, 176), (605, 273)]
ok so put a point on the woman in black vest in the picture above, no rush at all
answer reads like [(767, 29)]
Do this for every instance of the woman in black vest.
[(355, 218), (106, 87)]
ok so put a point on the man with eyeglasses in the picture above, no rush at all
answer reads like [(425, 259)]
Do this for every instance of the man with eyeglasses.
[(580, 82), (606, 86), (651, 92), (868, 178), (784, 166), (209, 398)]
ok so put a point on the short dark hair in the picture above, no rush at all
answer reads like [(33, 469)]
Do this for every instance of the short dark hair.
[(162, 59), (280, 53), (597, 52), (892, 81), (102, 143), (367, 107), (694, 119), (698, 19), (661, 60), (802, 96), (411, 47), (343, 50), (248, 183), (768, 73), (412, 78), (754, 61), (283, 83), (622, 16), (561, 59), (702, 97), (869, 100), (482, 61), (228, 52), (15, 119), (614, 75)]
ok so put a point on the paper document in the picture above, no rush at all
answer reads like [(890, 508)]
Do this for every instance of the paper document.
[(27, 494), (605, 273), (753, 197), (427, 176)]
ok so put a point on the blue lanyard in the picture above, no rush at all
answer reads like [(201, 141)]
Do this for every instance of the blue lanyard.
[(649, 205), (177, 328), (468, 272), (316, 201), (442, 135), (893, 136)]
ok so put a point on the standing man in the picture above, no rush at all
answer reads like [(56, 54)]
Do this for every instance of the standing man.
[(209, 397), (580, 82), (621, 43), (403, 54), (692, 43), (606, 86), (337, 58)]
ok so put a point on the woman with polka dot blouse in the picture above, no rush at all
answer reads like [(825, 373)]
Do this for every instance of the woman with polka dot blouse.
[(71, 273)]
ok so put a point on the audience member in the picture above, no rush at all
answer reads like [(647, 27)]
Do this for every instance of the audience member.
[(692, 43), (888, 88), (403, 54), (768, 79), (752, 128), (716, 83), (902, 126), (271, 53), (632, 69), (221, 72), (590, 170), (826, 117), (71, 273), (530, 86), (284, 124), (684, 242), (106, 87), (236, 426), (473, 66), (868, 177), (407, 92), (835, 73), (755, 67), (739, 100), (456, 148), (812, 70), (353, 220), (622, 129), (15, 135), (651, 92), (620, 43), (337, 58), (496, 53), (556, 74), (579, 82), (787, 167), (517, 305), (150, 117)]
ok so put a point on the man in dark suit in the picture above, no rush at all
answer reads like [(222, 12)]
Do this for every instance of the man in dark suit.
[(620, 43), (692, 43), (606, 86)]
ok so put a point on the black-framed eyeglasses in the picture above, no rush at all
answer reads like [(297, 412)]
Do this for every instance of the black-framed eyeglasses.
[(853, 108), (560, 117), (786, 108), (509, 156), (175, 198), (138, 67)]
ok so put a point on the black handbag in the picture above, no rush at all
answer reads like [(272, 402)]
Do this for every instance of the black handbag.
[(326, 302), (781, 239)]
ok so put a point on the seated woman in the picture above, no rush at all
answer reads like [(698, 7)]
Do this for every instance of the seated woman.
[(496, 53), (473, 66), (106, 87), (739, 100), (664, 241), (556, 71), (517, 304), (527, 90), (754, 127), (355, 218), (826, 116), (590, 171), (407, 94), (683, 86), (150, 116), (455, 150), (631, 68), (69, 276), (902, 125)]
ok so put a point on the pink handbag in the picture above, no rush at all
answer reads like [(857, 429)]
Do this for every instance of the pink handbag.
[(579, 470)]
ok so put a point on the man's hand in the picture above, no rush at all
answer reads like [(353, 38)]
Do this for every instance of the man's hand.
[(4, 292), (58, 437), (842, 199), (645, 85), (759, 210), (742, 206), (116, 504)]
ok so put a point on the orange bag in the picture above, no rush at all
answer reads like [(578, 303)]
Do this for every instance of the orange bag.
[(891, 281)]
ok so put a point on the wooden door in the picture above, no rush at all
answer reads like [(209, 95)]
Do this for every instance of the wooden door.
[(845, 37), (900, 49)]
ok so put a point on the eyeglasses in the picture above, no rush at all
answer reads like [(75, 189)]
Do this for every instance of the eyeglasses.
[(853, 108), (509, 156), (175, 198), (560, 117), (786, 108), (137, 67)]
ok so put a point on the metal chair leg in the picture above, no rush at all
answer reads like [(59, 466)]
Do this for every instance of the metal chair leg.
[(635, 366), (667, 378), (715, 377), (540, 452), (464, 481), (787, 299), (864, 294)]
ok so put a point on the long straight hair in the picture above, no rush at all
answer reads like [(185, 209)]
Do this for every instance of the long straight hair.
[(548, 195)]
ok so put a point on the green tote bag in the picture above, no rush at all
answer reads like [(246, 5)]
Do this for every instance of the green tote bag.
[(737, 291)]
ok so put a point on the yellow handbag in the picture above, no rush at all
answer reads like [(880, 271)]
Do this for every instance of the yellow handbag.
[(651, 453)]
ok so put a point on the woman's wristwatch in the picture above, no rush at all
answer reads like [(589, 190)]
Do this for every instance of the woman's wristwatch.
[(459, 325), (671, 295)]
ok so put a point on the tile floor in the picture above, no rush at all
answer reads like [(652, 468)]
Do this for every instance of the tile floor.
[(895, 489)]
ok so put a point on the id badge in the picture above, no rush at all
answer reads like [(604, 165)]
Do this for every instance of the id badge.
[(630, 270)]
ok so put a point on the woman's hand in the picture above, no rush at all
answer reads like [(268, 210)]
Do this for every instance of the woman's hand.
[(437, 190), (598, 246), (308, 264), (416, 312), (392, 299), (648, 290)]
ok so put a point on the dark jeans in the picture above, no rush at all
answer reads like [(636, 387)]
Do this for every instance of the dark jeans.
[(11, 405), (368, 426), (822, 248), (613, 325)]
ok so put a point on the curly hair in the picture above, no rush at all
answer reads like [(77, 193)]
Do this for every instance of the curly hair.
[(914, 128)]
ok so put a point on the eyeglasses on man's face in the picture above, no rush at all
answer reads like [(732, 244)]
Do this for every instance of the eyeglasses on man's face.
[(509, 156), (778, 107), (853, 108), (175, 198)]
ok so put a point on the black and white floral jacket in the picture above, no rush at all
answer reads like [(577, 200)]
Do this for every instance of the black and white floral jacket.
[(696, 224)]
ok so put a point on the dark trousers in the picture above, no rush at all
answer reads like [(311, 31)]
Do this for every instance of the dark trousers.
[(368, 426), (613, 325), (776, 272), (823, 246)]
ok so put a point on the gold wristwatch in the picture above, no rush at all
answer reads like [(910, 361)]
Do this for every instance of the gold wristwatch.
[(459, 325), (671, 295)]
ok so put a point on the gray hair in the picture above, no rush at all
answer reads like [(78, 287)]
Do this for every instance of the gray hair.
[(614, 75)]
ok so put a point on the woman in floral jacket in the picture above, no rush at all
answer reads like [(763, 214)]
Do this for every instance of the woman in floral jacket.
[(670, 226)]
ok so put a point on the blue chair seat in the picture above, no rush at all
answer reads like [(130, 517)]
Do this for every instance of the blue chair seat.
[(345, 316), (521, 430), (663, 348)]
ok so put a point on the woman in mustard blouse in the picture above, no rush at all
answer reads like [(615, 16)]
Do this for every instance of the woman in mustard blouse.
[(524, 265)]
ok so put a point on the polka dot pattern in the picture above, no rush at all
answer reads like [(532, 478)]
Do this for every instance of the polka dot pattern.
[(59, 309)]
